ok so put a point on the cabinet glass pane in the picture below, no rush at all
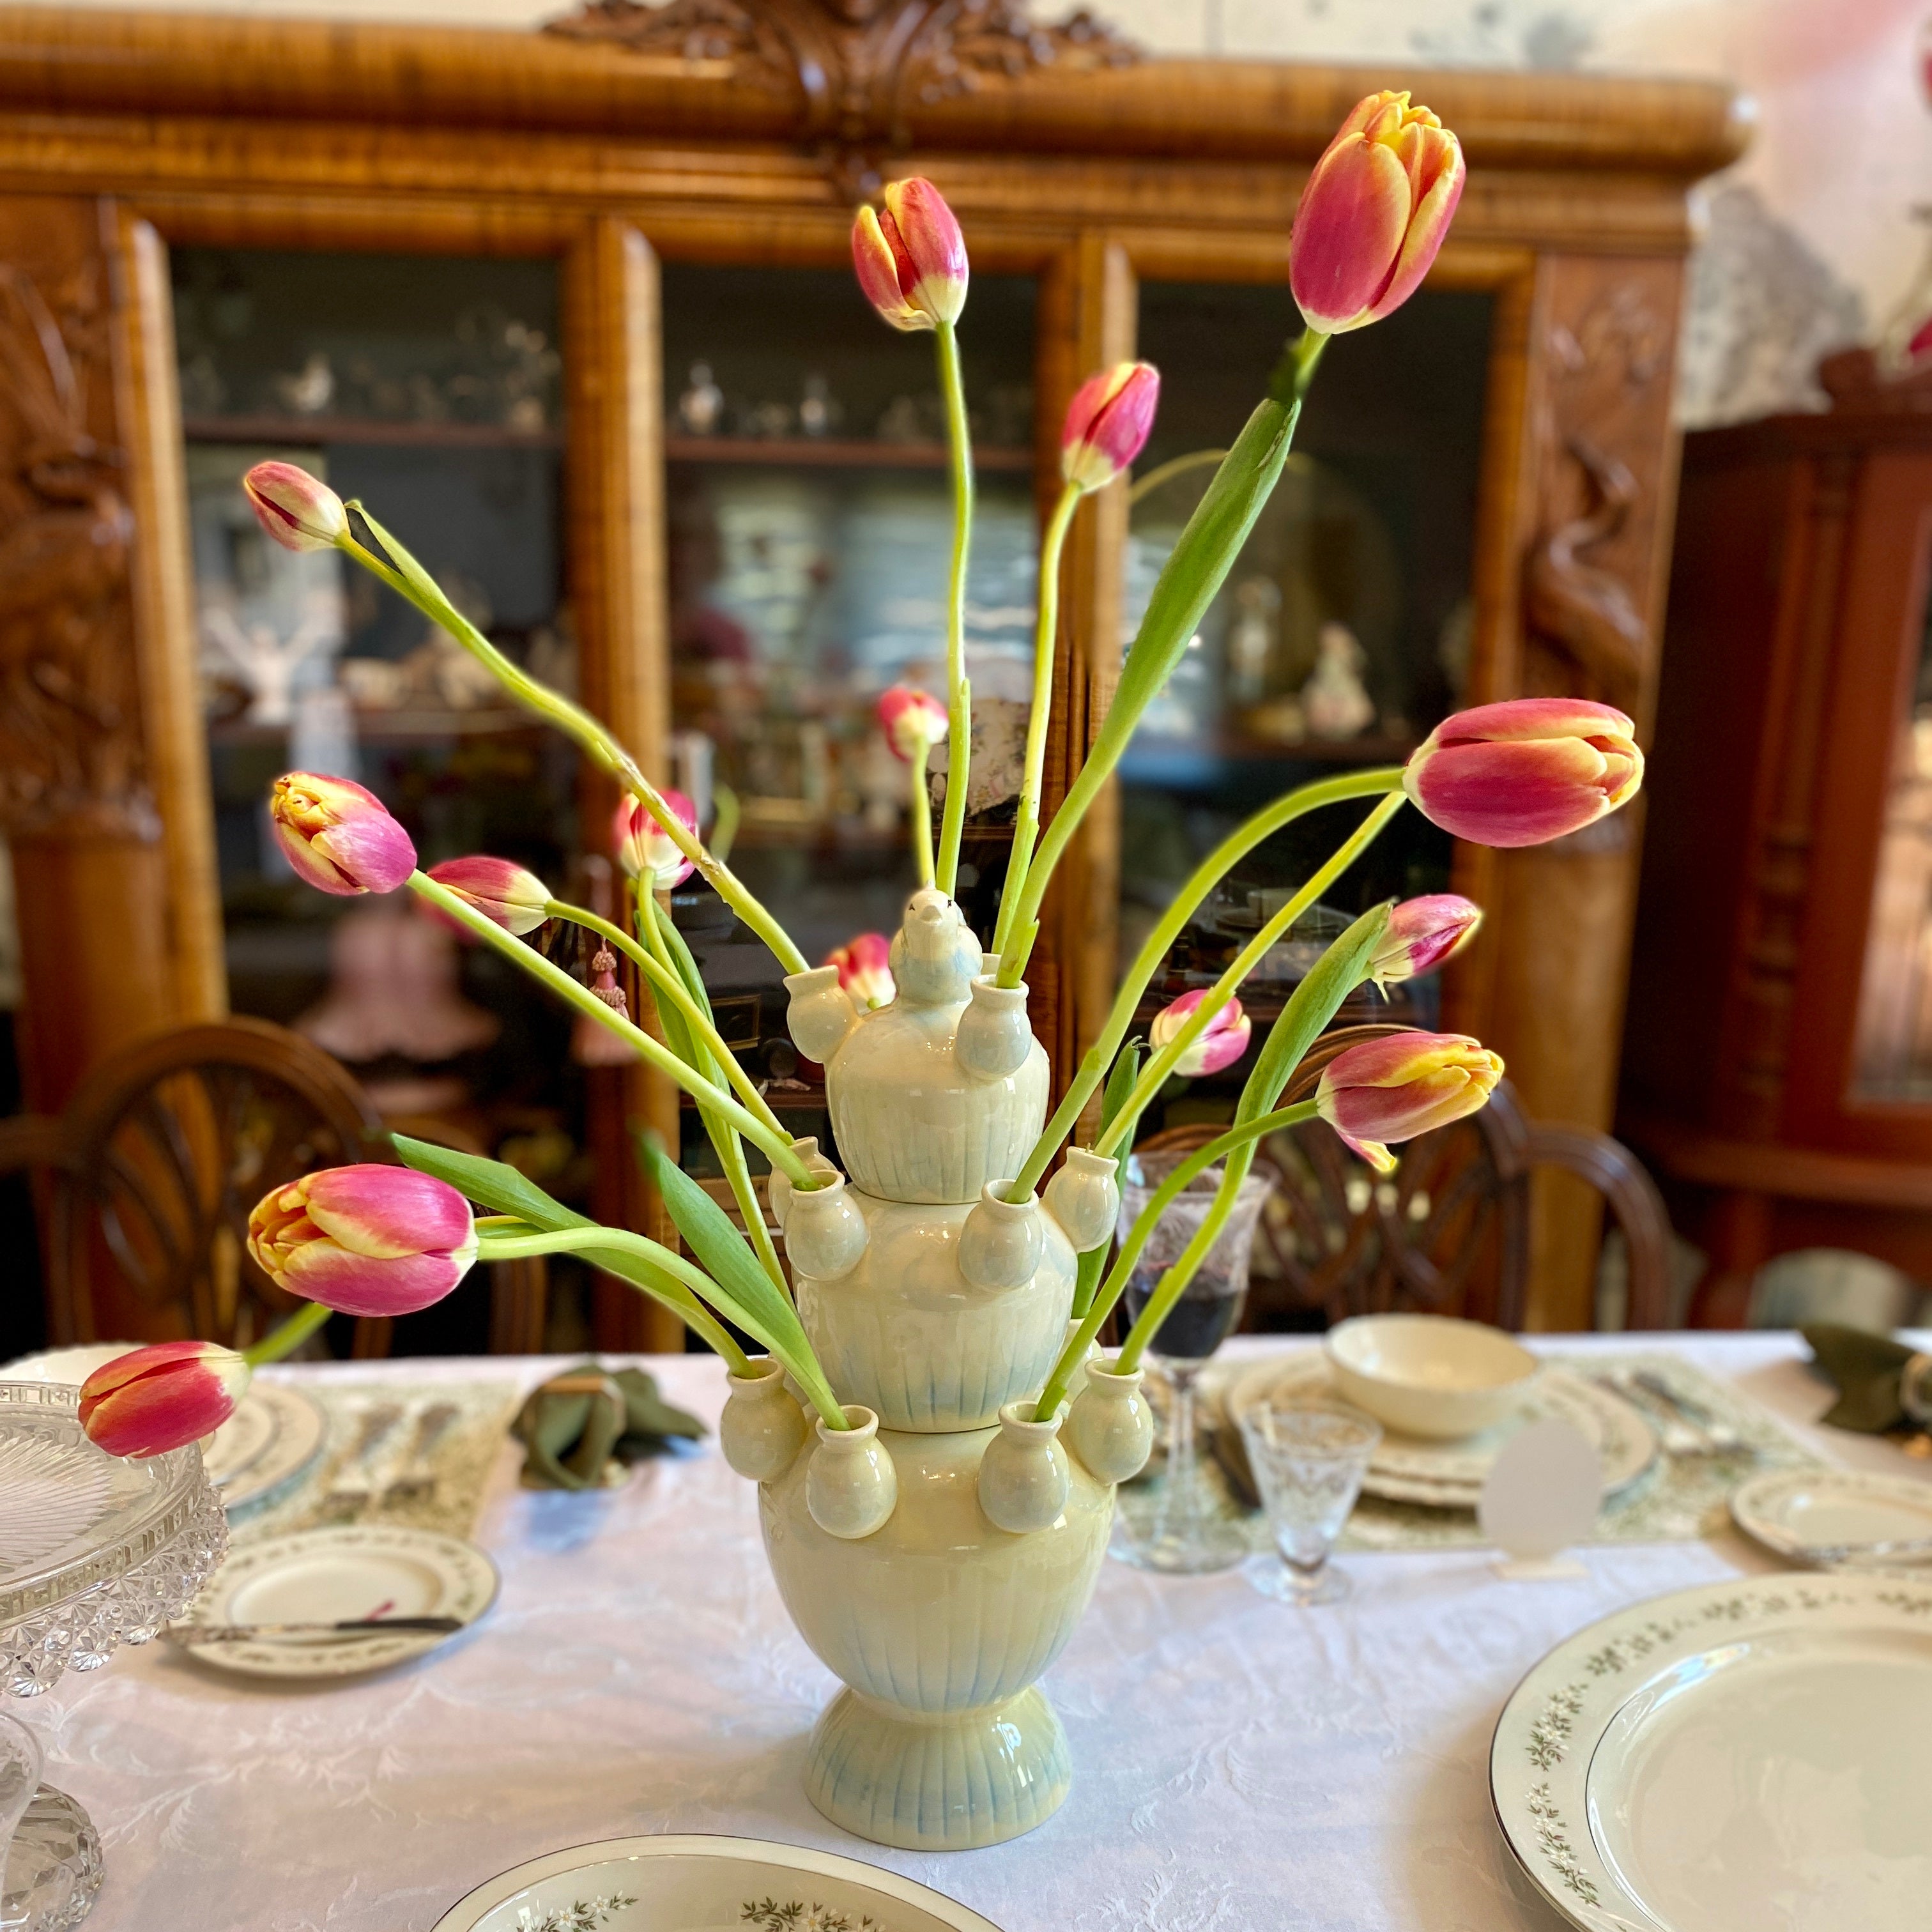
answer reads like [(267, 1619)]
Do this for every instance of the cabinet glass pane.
[(811, 531), (1342, 635), (432, 389), (1893, 1049)]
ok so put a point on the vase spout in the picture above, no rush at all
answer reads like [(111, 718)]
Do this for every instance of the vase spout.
[(821, 1012), (1084, 1197), (763, 1428), (779, 1186), (825, 1233), (1110, 1426), (1024, 1483), (994, 1037), (1001, 1243), (851, 1487)]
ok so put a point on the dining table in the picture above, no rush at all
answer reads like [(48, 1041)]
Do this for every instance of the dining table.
[(1239, 1764)]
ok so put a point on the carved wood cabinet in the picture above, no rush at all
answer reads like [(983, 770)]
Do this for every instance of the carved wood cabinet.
[(1778, 1064), (688, 174)]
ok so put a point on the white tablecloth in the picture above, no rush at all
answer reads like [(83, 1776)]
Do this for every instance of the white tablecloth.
[(1238, 1764)]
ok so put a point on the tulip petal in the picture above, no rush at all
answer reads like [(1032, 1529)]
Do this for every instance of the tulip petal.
[(1533, 718), (373, 854), (162, 1397), (353, 1284), (1428, 224), (1377, 1156), (876, 263), (1513, 794), (384, 1212), (933, 267), (1348, 233)]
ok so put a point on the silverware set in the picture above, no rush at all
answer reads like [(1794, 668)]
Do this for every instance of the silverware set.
[(354, 1490), (1684, 1427)]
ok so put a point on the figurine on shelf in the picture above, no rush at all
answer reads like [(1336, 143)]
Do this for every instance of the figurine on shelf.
[(701, 408), (267, 663), (1333, 700), (1251, 639), (310, 389), (819, 412)]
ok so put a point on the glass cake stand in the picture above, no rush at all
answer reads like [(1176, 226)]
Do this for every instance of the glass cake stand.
[(95, 1552)]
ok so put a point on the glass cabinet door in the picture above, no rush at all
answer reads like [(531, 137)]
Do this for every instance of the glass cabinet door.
[(1342, 635), (811, 526), (432, 389)]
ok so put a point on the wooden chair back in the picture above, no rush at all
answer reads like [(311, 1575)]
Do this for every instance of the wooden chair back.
[(1448, 1232), (150, 1172)]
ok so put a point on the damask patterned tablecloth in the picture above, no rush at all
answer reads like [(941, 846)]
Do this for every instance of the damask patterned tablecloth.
[(1238, 1765)]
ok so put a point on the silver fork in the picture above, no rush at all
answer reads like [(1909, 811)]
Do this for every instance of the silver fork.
[(1676, 1435), (347, 1495), (417, 1483), (1724, 1439)]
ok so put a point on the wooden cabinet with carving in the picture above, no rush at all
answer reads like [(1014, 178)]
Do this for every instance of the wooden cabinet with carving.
[(687, 174), (1778, 1065)]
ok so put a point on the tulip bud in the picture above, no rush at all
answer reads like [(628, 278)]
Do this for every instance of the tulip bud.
[(645, 850), (1107, 423), (154, 1399), (1223, 1043), (339, 837), (1403, 1084), (517, 900), (1373, 214), (1524, 771), (914, 722), (297, 511), (910, 257), (865, 970), (1421, 933), (369, 1240)]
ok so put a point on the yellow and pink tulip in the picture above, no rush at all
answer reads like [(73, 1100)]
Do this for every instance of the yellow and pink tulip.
[(338, 835), (910, 257), (1107, 424), (1222, 1042), (913, 721), (1373, 214), (645, 850), (865, 970), (1402, 1085), (297, 510), (1524, 771), (1421, 933), (162, 1397), (517, 900), (367, 1240)]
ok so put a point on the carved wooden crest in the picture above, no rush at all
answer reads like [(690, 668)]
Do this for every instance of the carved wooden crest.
[(858, 67)]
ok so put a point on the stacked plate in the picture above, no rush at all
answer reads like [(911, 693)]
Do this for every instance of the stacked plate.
[(1839, 1519), (1450, 1475), (259, 1453)]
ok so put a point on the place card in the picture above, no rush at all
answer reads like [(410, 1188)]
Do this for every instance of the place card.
[(1541, 1497)]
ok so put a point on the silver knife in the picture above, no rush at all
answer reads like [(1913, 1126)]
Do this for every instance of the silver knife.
[(195, 1633)]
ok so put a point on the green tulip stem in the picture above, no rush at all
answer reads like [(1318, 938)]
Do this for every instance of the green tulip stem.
[(1155, 1072), (669, 950), (958, 693), (578, 1240), (1188, 584), (1099, 1056), (285, 1340), (922, 815), (407, 578), (667, 984), (1101, 1306), (775, 1147), (1045, 640)]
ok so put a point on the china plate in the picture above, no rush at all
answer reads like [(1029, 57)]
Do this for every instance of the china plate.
[(234, 1449), (356, 1570), (1824, 1516), (1748, 1757), (1449, 1475), (301, 1432), (693, 1884)]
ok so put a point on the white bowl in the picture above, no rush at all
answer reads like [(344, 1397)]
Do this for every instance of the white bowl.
[(1430, 1374)]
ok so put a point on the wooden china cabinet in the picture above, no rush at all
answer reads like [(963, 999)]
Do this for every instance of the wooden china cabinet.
[(1778, 1061), (572, 309)]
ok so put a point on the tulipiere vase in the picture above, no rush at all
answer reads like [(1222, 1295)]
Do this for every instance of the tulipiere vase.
[(937, 1554)]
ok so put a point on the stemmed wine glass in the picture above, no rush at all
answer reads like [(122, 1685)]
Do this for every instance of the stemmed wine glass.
[(1188, 1534)]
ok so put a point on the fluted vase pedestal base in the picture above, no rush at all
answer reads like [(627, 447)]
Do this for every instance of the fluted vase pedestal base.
[(938, 1784)]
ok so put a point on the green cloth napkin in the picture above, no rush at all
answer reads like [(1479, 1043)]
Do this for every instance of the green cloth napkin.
[(1865, 1368), (581, 1429)]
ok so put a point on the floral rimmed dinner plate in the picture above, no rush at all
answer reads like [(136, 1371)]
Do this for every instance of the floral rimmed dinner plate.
[(301, 1432), (320, 1576), (696, 1884), (1449, 1475), (1828, 1516), (1747, 1757)]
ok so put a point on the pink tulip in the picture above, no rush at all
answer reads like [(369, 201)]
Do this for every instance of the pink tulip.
[(1405, 1084), (1373, 214), (914, 722), (339, 837), (645, 850), (517, 900), (1224, 1041), (1421, 933), (1107, 423), (154, 1399), (865, 970), (297, 511), (370, 1240), (1525, 771), (910, 257)]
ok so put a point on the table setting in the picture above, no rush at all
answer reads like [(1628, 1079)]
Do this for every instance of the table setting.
[(898, 1603)]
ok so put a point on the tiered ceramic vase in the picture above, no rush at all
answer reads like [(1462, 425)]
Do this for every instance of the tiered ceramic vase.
[(937, 1554)]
